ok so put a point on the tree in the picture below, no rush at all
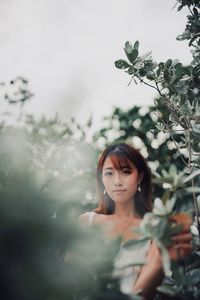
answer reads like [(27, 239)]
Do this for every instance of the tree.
[(178, 109)]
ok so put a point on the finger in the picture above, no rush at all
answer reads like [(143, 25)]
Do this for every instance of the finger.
[(181, 238), (179, 251), (186, 229), (184, 246)]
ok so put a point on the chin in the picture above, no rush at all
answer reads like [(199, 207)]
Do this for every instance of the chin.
[(123, 201)]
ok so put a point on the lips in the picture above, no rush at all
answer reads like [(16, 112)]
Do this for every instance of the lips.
[(115, 191)]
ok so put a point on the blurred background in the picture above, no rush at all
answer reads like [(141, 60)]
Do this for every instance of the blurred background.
[(61, 102), (66, 49)]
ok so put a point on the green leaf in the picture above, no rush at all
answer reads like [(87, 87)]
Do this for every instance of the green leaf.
[(151, 75), (133, 55), (187, 71), (139, 64), (168, 63), (195, 12), (136, 45), (121, 64), (166, 196), (130, 70), (197, 35), (185, 36), (172, 170), (165, 257), (192, 189), (160, 126), (167, 290), (185, 109), (162, 227), (193, 278), (128, 47), (167, 75), (179, 70), (164, 173), (179, 276), (190, 177), (143, 57), (196, 128)]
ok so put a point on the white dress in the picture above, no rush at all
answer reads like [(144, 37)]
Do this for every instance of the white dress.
[(125, 257)]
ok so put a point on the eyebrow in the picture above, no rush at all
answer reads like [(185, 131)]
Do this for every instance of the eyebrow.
[(111, 168)]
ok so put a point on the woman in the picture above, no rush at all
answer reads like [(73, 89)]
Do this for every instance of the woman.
[(124, 188)]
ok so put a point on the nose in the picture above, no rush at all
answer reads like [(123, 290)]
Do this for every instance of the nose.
[(118, 180)]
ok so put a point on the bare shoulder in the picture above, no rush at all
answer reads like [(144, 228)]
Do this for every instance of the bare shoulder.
[(101, 218), (83, 218), (97, 218)]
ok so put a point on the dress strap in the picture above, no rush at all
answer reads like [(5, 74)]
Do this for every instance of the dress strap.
[(91, 217)]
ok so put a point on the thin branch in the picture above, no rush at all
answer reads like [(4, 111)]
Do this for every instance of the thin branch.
[(190, 10), (170, 132), (172, 110), (186, 125), (130, 80), (159, 91), (177, 147), (150, 85), (193, 184)]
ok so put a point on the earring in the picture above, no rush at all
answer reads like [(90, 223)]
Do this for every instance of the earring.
[(139, 188), (104, 192)]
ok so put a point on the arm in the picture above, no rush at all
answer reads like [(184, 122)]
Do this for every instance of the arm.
[(151, 274)]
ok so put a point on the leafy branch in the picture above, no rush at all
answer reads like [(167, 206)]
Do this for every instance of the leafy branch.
[(175, 86)]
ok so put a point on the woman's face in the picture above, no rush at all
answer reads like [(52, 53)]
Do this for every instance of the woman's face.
[(121, 185)]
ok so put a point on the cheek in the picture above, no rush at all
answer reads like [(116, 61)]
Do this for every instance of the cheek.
[(134, 179), (108, 186), (106, 182)]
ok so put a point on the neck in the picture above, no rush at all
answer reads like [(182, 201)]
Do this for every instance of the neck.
[(125, 210)]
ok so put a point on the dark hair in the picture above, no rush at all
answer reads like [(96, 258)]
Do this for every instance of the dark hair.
[(122, 155)]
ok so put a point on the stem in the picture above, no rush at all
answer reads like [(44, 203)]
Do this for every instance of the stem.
[(130, 80), (193, 184), (190, 10), (171, 134), (150, 85), (177, 147), (159, 91), (187, 127)]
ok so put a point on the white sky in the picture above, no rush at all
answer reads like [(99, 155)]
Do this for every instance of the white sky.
[(67, 49)]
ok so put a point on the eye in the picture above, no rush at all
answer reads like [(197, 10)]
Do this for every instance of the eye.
[(126, 171), (108, 173)]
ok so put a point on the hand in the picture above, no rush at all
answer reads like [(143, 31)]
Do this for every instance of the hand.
[(181, 245)]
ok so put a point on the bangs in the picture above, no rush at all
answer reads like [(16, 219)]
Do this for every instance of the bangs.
[(120, 162)]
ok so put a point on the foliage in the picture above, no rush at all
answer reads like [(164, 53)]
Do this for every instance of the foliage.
[(46, 167), (183, 284), (178, 110), (44, 252), (58, 150), (137, 126), (47, 176), (16, 91)]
